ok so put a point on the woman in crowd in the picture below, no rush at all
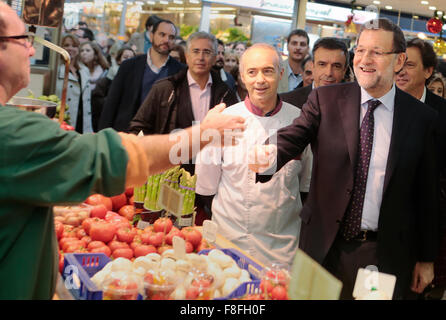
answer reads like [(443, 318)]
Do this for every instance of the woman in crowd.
[(239, 48), (91, 56), (100, 92), (231, 61), (437, 85), (178, 53), (78, 88), (240, 90)]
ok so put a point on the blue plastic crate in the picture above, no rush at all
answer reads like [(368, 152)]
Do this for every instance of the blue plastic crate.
[(77, 272), (242, 261), (245, 288)]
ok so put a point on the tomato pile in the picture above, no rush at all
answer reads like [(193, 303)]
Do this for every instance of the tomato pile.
[(108, 229)]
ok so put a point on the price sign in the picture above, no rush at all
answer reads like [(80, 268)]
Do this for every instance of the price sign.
[(171, 200), (210, 231)]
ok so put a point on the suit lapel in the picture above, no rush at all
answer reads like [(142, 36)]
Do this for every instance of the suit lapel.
[(401, 120), (349, 107)]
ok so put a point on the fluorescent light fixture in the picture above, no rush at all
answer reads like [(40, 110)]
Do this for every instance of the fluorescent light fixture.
[(178, 1), (164, 2), (424, 2), (432, 8), (388, 7), (377, 2), (440, 12), (151, 2), (194, 1)]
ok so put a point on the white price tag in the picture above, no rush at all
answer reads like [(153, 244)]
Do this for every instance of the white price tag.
[(171, 200), (370, 278), (210, 231), (179, 247)]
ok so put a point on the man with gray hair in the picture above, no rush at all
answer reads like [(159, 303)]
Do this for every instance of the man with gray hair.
[(262, 219), (176, 101)]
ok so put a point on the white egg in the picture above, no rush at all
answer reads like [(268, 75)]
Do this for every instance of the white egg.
[(232, 272)]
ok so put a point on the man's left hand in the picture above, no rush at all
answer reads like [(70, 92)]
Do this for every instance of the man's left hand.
[(423, 274)]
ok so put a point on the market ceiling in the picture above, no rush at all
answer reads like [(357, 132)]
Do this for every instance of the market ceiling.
[(416, 7)]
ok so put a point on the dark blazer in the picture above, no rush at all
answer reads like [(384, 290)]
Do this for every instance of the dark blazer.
[(408, 224), (298, 96), (123, 99)]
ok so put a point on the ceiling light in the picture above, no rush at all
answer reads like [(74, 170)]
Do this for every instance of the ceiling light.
[(432, 8), (178, 1), (194, 1), (440, 12), (359, 7), (151, 3), (424, 2), (415, 17), (377, 2), (421, 35), (389, 7), (164, 2)]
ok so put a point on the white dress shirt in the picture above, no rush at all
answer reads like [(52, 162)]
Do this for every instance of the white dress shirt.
[(293, 80), (200, 98), (378, 160)]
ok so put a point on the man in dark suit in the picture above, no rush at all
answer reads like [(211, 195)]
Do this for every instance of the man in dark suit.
[(373, 150), (330, 62), (136, 77), (418, 69)]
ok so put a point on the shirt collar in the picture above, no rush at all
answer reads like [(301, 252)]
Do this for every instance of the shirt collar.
[(191, 81), (258, 112), (151, 65), (388, 100), (423, 97)]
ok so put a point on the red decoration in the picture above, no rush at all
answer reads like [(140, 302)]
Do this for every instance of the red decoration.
[(434, 25), (349, 19)]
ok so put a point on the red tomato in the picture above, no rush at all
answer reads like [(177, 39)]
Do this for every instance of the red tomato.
[(277, 276), (143, 249), (106, 250), (132, 200), (102, 231), (87, 240), (156, 239), (266, 285), (123, 253), (127, 211), (114, 245), (192, 235), (80, 233), (192, 293), (58, 226), (129, 192), (204, 245), (126, 234), (98, 211), (86, 224), (95, 244), (161, 249), (64, 241), (163, 225), (148, 229), (189, 247), (61, 262), (75, 243), (279, 293), (96, 199), (173, 232), (118, 201), (145, 237)]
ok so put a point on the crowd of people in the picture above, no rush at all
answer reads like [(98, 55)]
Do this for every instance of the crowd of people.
[(343, 152)]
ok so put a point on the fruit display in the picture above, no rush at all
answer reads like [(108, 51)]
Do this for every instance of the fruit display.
[(53, 98), (120, 286), (71, 215), (274, 282)]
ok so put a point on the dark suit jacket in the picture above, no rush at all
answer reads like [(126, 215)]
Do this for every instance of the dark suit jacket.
[(408, 224), (439, 104), (123, 99), (298, 96)]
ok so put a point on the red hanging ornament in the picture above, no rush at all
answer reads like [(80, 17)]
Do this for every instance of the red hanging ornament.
[(434, 25), (349, 19)]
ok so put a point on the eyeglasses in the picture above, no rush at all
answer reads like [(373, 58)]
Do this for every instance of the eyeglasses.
[(206, 52), (29, 37), (374, 53)]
